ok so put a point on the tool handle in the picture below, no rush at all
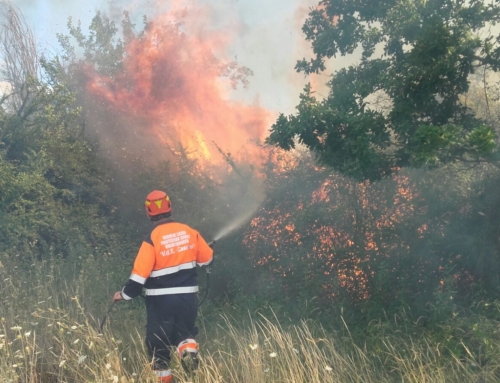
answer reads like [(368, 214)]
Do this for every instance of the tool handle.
[(103, 322)]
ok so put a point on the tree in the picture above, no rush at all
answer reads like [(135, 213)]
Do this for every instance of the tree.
[(420, 55), (54, 189), (21, 59)]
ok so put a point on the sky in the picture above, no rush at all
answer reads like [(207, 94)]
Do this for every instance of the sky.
[(267, 38)]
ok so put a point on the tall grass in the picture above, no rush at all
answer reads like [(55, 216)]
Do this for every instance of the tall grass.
[(49, 333)]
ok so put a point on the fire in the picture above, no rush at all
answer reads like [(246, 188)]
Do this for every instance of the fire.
[(178, 81), (343, 244)]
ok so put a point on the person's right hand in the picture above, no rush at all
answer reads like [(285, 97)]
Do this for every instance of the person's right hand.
[(118, 296)]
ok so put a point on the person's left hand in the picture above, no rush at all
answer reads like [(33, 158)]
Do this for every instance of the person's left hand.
[(118, 296)]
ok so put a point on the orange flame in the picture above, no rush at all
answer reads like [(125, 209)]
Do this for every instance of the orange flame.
[(172, 79)]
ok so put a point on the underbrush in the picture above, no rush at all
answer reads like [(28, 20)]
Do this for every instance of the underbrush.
[(50, 315)]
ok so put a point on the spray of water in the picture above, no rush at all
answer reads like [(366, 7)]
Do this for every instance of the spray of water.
[(236, 223), (249, 195)]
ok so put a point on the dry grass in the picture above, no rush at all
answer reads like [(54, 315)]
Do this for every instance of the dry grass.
[(48, 335)]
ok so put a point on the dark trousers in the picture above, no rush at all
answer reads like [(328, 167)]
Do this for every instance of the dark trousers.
[(171, 319)]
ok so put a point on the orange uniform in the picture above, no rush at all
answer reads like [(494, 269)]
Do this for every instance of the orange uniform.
[(166, 261), (166, 266)]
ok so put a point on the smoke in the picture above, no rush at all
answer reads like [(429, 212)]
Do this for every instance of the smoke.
[(175, 78), (174, 95), (264, 36), (172, 99)]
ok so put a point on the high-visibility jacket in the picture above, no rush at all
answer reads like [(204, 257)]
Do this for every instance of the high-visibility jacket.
[(166, 261)]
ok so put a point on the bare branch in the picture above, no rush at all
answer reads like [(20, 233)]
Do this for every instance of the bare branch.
[(18, 52)]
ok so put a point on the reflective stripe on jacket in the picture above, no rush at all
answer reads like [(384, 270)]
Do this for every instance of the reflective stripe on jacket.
[(166, 261)]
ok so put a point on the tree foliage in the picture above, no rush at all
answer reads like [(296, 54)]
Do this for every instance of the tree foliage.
[(101, 47), (420, 55), (51, 179)]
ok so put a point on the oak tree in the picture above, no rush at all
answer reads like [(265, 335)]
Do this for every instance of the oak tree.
[(417, 54)]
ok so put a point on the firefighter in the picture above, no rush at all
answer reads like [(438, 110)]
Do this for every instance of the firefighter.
[(166, 267)]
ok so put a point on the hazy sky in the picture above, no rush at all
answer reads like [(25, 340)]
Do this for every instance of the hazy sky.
[(268, 38)]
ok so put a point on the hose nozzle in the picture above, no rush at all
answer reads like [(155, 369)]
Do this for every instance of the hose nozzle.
[(212, 243)]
